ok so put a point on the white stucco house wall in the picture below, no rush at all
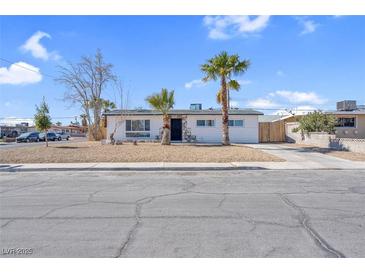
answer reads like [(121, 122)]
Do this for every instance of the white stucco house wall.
[(186, 125)]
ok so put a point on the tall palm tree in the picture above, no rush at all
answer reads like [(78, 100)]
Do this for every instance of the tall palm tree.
[(222, 67), (163, 102)]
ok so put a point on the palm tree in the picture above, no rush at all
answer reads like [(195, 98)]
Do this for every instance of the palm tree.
[(107, 105), (223, 66), (163, 102)]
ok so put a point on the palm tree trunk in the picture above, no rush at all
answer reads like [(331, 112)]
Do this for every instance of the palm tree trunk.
[(225, 130), (165, 140)]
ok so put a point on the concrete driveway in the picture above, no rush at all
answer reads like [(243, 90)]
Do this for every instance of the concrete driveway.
[(260, 213), (304, 158)]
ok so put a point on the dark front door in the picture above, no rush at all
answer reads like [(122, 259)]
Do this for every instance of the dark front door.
[(176, 130)]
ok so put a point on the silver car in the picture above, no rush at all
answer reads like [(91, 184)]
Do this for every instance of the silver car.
[(64, 136)]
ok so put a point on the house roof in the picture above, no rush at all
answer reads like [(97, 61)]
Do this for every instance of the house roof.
[(67, 127), (183, 112), (269, 118), (349, 112)]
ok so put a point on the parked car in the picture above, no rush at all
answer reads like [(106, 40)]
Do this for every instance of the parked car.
[(28, 137), (64, 136), (13, 134), (51, 136)]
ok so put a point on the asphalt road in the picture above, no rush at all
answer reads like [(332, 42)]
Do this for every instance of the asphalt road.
[(18, 145), (256, 213)]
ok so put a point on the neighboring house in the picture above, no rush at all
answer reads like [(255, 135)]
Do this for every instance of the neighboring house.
[(73, 130), (350, 120), (187, 125)]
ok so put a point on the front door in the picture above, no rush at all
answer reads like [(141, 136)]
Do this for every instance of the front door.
[(176, 130)]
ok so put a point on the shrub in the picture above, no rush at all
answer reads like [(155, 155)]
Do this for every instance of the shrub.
[(317, 121)]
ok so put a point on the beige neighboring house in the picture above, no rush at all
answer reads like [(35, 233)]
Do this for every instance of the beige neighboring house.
[(350, 120)]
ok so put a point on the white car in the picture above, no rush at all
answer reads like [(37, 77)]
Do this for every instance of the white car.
[(64, 136)]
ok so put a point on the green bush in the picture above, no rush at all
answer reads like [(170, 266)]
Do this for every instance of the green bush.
[(317, 121)]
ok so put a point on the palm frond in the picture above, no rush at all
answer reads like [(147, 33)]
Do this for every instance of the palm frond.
[(234, 85), (219, 97), (163, 101)]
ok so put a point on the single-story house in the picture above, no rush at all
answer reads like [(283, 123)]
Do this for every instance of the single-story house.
[(73, 130), (350, 120), (350, 124), (187, 125)]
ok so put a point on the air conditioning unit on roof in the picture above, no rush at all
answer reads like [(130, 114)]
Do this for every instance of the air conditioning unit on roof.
[(346, 105)]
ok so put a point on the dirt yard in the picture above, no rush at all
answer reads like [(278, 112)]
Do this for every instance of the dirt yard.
[(143, 152), (348, 155)]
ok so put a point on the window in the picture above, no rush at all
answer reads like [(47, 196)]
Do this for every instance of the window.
[(205, 123), (346, 122), (137, 128), (235, 123), (137, 125)]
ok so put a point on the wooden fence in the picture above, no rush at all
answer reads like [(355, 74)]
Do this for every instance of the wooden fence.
[(272, 132)]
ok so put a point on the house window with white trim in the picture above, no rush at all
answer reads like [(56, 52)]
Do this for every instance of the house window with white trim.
[(236, 123), (205, 123), (346, 122), (137, 128)]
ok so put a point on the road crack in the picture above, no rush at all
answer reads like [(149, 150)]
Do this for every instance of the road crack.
[(304, 221)]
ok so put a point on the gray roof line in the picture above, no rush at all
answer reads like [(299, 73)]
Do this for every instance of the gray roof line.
[(183, 112), (345, 112)]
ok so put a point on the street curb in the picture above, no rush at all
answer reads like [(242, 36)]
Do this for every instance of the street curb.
[(152, 169), (12, 169)]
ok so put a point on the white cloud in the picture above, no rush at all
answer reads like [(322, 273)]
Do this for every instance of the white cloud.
[(280, 73), (195, 83), (309, 26), (20, 73), (226, 27), (7, 104), (34, 46), (261, 103), (299, 97)]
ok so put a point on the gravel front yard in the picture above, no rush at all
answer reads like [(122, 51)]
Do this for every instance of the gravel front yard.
[(143, 152)]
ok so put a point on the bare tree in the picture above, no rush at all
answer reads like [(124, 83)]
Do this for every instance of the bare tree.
[(123, 110), (85, 82)]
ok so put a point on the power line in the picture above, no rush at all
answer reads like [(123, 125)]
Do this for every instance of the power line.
[(26, 68)]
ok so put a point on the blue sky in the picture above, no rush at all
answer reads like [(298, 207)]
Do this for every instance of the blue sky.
[(297, 62)]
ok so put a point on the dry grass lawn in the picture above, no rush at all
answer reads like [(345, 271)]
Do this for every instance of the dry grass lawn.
[(348, 155), (143, 152)]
